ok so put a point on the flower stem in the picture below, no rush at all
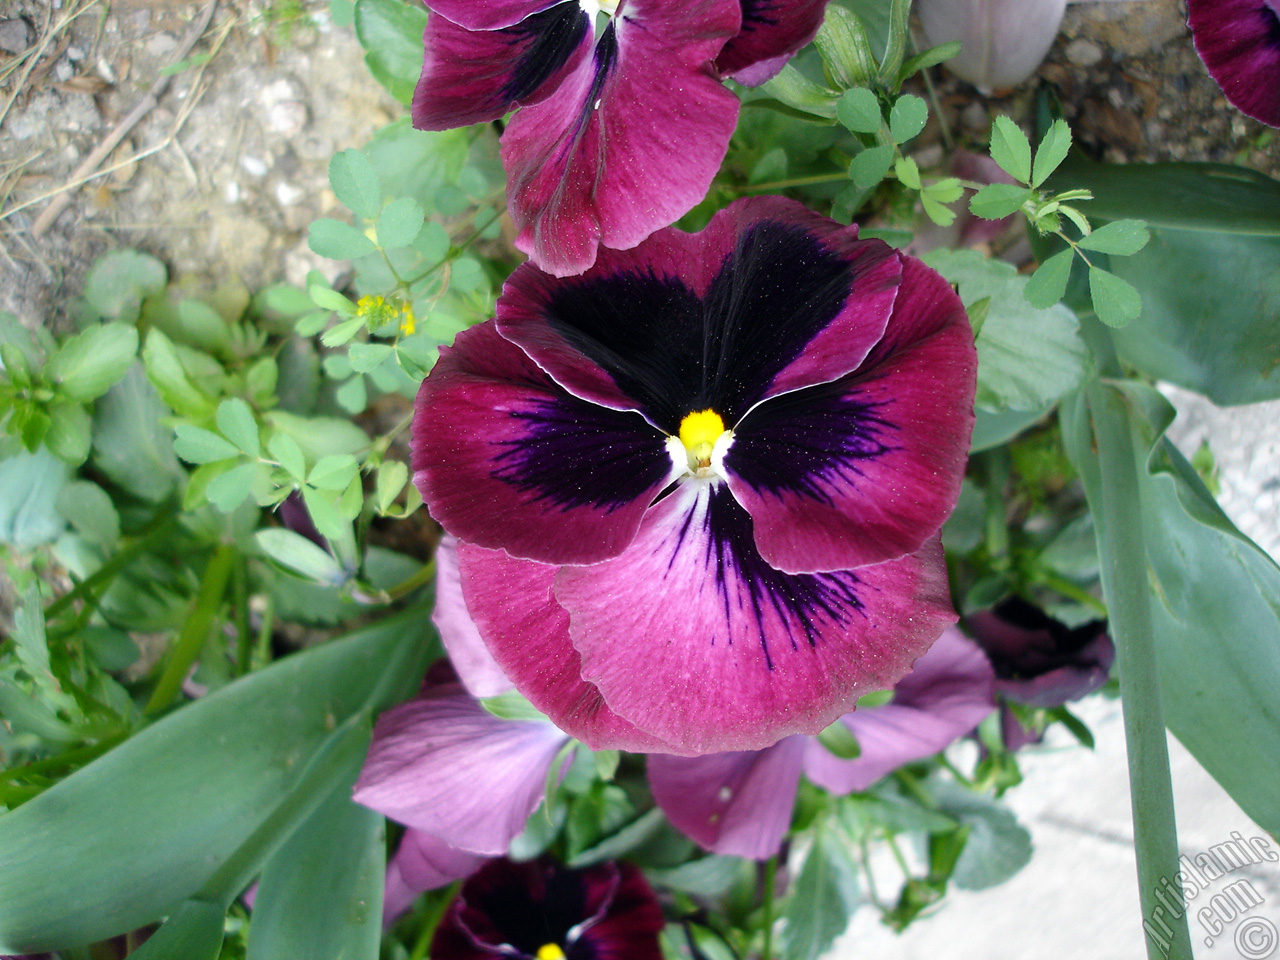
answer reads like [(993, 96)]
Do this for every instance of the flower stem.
[(770, 881), (1124, 580)]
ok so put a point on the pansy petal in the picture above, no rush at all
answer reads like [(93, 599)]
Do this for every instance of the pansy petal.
[(948, 693), (443, 764), (492, 14), (475, 666), (772, 31), (867, 468), (769, 298), (1239, 42), (473, 76), (422, 862), (737, 804), (506, 459), (629, 142), (691, 636), (629, 926), (527, 632)]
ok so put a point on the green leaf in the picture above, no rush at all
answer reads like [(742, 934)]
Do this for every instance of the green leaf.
[(1115, 301), (333, 472), (1052, 151), (996, 201), (1209, 318), (823, 898), (193, 932), (998, 846), (198, 445), (432, 242), (942, 215), (1011, 149), (859, 110), (1028, 358), (95, 856), (1217, 197), (167, 374), (793, 93), (391, 33), (31, 483), (119, 282), (512, 706), (69, 433), (845, 48), (90, 511), (320, 436), (300, 556), (353, 396), (907, 118), (1048, 284), (88, 364), (840, 741), (321, 893), (288, 454), (392, 477), (324, 514), (622, 841), (237, 424), (339, 334), (131, 445), (399, 223), (337, 240), (355, 183), (365, 356), (929, 58), (330, 299), (1121, 238), (1216, 608), (870, 166), (230, 489), (906, 170)]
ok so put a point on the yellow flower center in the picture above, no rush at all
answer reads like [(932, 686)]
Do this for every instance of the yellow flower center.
[(550, 951), (701, 444)]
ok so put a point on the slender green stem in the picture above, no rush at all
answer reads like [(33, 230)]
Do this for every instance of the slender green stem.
[(195, 631), (1068, 589), (770, 881), (431, 921), (795, 182), (1124, 580)]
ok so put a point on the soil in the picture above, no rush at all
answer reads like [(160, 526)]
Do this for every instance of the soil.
[(235, 152)]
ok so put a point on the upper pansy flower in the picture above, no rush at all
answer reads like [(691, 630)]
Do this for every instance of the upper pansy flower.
[(698, 489), (1239, 42), (623, 120), (540, 910)]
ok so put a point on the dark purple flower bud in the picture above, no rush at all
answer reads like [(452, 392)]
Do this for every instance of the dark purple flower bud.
[(1239, 42), (542, 911), (295, 516), (1038, 660)]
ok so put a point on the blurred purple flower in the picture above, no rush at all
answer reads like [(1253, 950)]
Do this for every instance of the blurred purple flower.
[(540, 910), (1039, 661), (1239, 42), (463, 780), (740, 804)]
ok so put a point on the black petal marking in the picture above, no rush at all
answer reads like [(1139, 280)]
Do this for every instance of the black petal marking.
[(672, 354), (548, 39), (749, 587), (576, 454), (809, 442)]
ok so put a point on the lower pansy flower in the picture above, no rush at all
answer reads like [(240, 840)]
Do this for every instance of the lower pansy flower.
[(740, 804), (540, 910), (1239, 42), (698, 489)]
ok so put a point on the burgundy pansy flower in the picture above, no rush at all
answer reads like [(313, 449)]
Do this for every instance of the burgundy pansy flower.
[(623, 120), (1239, 42), (540, 910), (740, 804), (697, 490), (1039, 661)]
